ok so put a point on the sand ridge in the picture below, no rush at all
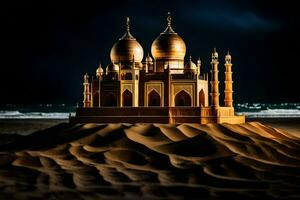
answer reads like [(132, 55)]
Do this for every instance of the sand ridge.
[(151, 161)]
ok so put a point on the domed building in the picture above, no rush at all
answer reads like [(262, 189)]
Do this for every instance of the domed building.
[(169, 49), (127, 49), (159, 88)]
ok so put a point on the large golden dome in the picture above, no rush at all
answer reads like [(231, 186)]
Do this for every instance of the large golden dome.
[(168, 45), (127, 49)]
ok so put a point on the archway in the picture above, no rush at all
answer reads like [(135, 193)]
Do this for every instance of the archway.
[(183, 99), (110, 100), (127, 98), (153, 98), (201, 98)]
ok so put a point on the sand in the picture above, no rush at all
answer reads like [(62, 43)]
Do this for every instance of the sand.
[(152, 161), (27, 126)]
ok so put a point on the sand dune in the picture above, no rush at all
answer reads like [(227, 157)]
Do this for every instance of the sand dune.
[(151, 161)]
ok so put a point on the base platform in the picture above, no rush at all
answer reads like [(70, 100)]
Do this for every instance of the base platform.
[(164, 115)]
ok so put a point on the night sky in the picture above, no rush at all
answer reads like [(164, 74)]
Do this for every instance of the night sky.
[(47, 47)]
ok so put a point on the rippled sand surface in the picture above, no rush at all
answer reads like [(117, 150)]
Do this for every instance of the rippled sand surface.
[(152, 161)]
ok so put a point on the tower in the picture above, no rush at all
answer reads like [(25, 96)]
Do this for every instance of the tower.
[(228, 81), (99, 75), (214, 79), (86, 92)]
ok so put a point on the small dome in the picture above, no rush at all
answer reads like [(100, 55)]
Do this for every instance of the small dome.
[(126, 48), (112, 68), (168, 45), (149, 58), (99, 71), (190, 65)]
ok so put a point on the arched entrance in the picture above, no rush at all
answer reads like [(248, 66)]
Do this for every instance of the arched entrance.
[(127, 98), (183, 99), (153, 98), (201, 98), (110, 100)]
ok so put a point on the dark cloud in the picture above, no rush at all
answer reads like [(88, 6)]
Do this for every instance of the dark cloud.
[(246, 21)]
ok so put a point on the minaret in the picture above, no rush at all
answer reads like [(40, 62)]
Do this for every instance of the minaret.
[(198, 66), (214, 79), (92, 92), (228, 81), (86, 92), (99, 74)]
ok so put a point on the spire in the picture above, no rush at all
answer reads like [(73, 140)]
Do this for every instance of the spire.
[(86, 78), (169, 25), (169, 19), (127, 35), (127, 24)]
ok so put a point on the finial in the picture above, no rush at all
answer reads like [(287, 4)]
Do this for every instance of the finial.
[(190, 57), (169, 19), (228, 53), (127, 35), (215, 50), (127, 24), (169, 29)]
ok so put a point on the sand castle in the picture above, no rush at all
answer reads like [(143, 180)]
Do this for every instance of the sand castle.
[(160, 89)]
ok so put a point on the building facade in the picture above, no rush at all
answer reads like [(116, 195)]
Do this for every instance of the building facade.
[(162, 82)]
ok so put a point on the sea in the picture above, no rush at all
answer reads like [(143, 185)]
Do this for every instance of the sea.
[(63, 111)]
